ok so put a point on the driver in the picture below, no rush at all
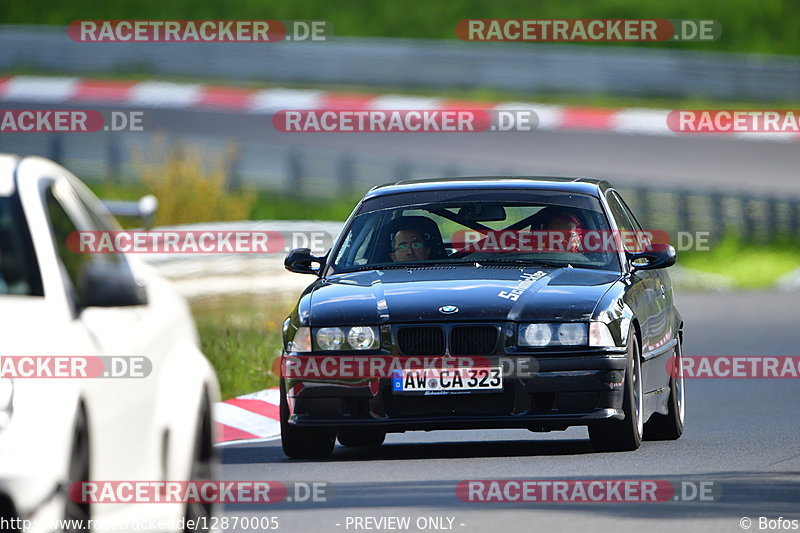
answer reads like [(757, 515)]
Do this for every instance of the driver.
[(409, 245)]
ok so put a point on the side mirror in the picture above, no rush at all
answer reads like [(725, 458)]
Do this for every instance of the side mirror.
[(144, 209), (106, 284), (656, 255), (299, 260)]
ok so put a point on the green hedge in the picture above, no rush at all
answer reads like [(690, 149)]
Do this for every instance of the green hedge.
[(768, 26)]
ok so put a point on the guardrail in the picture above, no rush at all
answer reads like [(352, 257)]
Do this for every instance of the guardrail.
[(323, 173), (537, 68)]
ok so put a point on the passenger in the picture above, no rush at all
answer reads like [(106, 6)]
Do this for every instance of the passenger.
[(564, 232)]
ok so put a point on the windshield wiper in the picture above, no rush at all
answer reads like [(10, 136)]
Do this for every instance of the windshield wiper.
[(521, 262), (368, 267), (476, 262), (394, 266)]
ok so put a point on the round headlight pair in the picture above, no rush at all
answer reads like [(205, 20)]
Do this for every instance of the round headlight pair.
[(358, 337), (566, 334)]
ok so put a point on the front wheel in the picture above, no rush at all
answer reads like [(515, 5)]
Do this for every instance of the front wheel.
[(624, 435), (77, 515), (202, 469), (300, 442)]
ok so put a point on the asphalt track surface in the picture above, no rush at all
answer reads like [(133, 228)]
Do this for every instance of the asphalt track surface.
[(691, 161), (741, 434)]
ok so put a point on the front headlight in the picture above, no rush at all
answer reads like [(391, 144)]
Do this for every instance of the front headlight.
[(553, 334), (361, 337), (330, 338), (357, 337), (600, 335), (301, 341), (572, 334)]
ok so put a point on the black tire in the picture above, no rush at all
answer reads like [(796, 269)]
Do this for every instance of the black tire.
[(304, 443), (202, 470), (624, 435), (77, 515), (361, 437), (670, 426)]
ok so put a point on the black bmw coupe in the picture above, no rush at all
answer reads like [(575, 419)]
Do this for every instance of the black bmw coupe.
[(491, 302)]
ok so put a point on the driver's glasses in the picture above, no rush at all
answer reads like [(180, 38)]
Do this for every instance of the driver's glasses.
[(406, 245)]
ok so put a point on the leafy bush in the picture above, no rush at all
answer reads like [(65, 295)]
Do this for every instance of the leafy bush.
[(190, 189), (767, 26)]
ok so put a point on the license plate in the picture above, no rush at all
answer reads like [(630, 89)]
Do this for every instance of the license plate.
[(445, 381)]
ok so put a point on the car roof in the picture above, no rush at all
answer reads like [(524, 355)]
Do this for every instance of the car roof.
[(593, 187)]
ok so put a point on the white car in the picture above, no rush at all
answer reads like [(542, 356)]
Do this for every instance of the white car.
[(54, 302)]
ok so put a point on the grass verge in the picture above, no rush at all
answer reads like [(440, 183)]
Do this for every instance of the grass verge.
[(241, 336), (750, 265)]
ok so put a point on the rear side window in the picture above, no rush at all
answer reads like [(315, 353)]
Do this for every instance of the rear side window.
[(63, 225), (625, 221), (19, 268)]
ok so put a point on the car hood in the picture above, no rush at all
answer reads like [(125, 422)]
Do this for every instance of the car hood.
[(485, 293)]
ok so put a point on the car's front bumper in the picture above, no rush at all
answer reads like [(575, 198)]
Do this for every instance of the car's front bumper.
[(562, 392)]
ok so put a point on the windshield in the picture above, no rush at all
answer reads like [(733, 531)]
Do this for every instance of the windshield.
[(469, 227), (19, 271)]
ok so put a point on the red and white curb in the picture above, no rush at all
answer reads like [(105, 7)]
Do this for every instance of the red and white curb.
[(252, 417), (168, 95)]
